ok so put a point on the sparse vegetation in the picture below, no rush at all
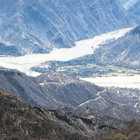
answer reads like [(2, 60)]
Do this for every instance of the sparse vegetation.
[(21, 122), (129, 132)]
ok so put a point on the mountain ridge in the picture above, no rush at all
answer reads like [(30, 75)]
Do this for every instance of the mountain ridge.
[(34, 25), (60, 90)]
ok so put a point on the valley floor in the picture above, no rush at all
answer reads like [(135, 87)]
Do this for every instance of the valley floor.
[(121, 81), (81, 48)]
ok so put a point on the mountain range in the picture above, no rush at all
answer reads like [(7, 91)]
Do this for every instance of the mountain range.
[(60, 43), (115, 53), (41, 25), (20, 121), (60, 90), (123, 51)]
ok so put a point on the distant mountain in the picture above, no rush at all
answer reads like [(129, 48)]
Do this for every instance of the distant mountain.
[(38, 26), (125, 51), (6, 49), (135, 8)]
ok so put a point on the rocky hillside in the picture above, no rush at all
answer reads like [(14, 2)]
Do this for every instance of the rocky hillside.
[(49, 89), (54, 89), (129, 132), (69, 90), (18, 121)]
